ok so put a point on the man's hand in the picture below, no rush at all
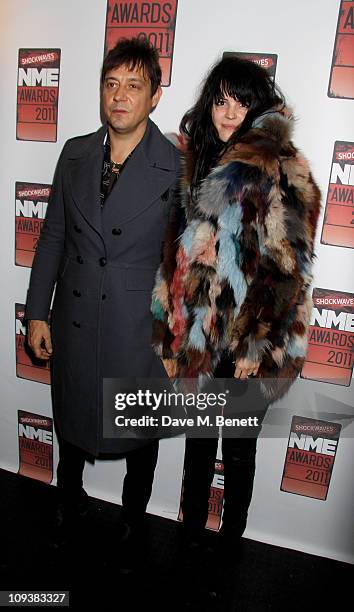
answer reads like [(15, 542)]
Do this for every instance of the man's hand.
[(38, 333), (245, 367)]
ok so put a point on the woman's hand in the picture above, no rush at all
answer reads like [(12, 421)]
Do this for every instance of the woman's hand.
[(245, 367)]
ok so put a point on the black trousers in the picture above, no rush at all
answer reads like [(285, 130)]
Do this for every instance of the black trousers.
[(137, 485), (239, 458)]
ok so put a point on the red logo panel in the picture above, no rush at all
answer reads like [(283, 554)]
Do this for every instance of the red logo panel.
[(35, 437), (31, 201), (338, 223), (310, 456), (341, 82), (37, 94), (268, 61), (154, 21), (330, 353)]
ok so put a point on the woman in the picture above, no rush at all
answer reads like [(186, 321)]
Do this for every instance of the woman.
[(232, 296)]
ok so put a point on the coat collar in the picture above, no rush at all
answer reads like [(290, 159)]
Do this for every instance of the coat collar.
[(149, 173), (254, 154), (276, 123), (155, 146)]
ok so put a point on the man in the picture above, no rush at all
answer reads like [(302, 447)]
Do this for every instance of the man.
[(101, 243)]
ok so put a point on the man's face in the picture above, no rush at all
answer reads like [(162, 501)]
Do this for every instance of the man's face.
[(127, 100)]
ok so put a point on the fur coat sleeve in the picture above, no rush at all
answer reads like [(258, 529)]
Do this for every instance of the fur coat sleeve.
[(251, 237)]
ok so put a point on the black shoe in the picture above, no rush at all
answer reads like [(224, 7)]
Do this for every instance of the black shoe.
[(132, 547), (230, 546), (68, 519), (196, 565), (196, 553), (69, 506), (123, 532), (196, 542)]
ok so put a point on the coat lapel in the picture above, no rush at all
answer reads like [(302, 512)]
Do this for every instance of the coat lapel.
[(85, 178), (147, 175)]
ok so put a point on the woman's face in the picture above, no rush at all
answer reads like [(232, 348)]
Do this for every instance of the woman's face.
[(227, 115)]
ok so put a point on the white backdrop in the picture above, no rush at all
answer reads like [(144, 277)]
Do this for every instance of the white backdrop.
[(302, 35)]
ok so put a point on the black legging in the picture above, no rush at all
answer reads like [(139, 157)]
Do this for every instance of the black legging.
[(238, 455)]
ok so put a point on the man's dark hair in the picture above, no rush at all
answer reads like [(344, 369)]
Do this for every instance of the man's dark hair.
[(134, 53)]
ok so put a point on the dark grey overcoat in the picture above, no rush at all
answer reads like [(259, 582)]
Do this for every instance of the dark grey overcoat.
[(104, 265)]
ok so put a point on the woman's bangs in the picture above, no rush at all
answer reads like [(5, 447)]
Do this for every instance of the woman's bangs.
[(232, 89)]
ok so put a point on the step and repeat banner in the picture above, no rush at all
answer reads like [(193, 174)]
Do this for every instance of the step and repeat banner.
[(51, 58)]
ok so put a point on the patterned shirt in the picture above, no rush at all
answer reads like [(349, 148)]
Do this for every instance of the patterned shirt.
[(110, 171)]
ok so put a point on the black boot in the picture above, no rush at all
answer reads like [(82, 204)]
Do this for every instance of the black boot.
[(132, 542), (69, 516), (137, 487)]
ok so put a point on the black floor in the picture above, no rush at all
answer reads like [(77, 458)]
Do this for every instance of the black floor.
[(264, 577)]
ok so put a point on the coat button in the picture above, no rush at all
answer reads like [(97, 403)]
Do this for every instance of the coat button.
[(102, 261), (76, 324), (79, 259), (116, 231), (77, 229), (104, 296), (76, 293)]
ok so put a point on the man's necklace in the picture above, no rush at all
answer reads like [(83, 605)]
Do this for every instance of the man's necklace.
[(116, 168)]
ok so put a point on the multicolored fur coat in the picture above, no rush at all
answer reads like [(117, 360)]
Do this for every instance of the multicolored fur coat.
[(237, 278)]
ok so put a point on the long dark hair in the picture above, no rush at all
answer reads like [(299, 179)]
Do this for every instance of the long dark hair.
[(232, 76)]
